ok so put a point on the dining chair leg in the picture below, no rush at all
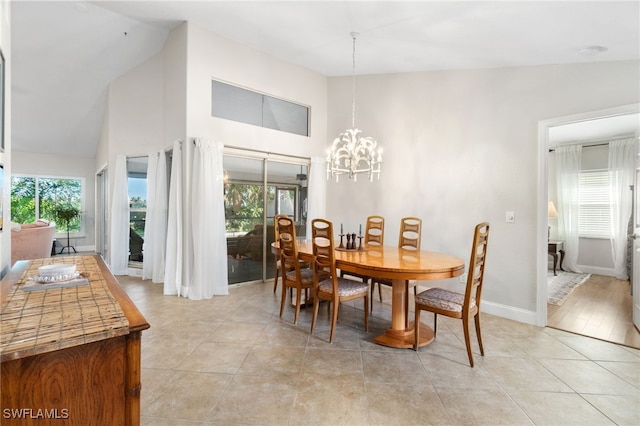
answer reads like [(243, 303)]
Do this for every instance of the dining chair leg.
[(275, 280), (284, 297), (416, 329), (373, 287), (406, 303), (467, 340), (334, 319), (298, 301), (435, 324), (366, 313), (316, 304), (478, 333)]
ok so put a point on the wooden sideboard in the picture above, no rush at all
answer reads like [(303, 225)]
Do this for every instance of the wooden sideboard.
[(84, 372)]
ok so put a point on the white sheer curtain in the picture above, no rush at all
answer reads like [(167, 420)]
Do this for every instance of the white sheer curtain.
[(119, 232), (209, 268), (174, 255), (568, 180), (317, 202), (621, 169), (155, 230)]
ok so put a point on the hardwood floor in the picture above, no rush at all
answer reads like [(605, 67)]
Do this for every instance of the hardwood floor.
[(599, 308)]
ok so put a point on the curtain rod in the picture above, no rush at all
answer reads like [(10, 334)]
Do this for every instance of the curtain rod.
[(595, 142), (239, 151), (583, 145)]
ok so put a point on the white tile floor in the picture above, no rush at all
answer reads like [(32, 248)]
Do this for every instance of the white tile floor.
[(232, 361)]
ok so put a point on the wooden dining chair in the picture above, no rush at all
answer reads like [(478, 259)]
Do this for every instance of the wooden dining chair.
[(409, 238), (327, 285), (373, 236), (458, 305), (277, 256), (294, 276)]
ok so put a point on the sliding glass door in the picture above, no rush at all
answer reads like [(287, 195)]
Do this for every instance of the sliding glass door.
[(256, 189)]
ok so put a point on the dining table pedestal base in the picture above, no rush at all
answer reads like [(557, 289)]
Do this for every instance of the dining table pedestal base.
[(404, 338), (401, 335)]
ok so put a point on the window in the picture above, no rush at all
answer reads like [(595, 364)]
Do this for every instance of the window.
[(594, 219), (245, 106), (34, 197)]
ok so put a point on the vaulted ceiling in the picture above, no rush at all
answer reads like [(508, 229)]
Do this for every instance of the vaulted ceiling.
[(65, 53)]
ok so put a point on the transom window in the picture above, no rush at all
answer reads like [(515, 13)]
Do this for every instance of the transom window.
[(249, 107)]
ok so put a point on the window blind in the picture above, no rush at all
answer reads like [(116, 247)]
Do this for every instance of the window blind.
[(594, 218)]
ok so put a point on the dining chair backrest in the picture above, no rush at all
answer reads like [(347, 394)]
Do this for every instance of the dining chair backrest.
[(410, 233), (374, 231), (287, 241), (324, 265), (276, 228), (276, 238), (475, 276), (284, 223)]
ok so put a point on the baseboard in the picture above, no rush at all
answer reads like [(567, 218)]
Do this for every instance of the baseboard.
[(86, 248), (596, 270), (509, 312), (134, 272)]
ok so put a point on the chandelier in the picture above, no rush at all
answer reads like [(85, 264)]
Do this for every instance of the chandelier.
[(351, 154)]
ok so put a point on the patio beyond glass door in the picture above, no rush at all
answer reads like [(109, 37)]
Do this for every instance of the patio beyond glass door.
[(256, 189)]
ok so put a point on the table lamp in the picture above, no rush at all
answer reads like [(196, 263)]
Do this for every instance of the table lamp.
[(553, 214)]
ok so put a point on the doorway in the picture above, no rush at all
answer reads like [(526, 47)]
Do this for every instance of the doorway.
[(137, 190), (620, 122)]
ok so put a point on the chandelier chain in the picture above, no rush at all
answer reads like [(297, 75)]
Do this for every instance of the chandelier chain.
[(353, 83)]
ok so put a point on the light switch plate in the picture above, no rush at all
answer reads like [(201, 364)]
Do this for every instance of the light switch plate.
[(510, 217)]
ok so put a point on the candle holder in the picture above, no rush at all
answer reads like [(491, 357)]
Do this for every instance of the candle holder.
[(354, 242)]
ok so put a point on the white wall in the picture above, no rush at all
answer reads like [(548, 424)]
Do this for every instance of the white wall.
[(213, 57), (460, 147), (28, 163), (175, 85), (149, 108), (136, 112)]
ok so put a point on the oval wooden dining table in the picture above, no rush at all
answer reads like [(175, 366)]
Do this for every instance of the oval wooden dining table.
[(398, 265)]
